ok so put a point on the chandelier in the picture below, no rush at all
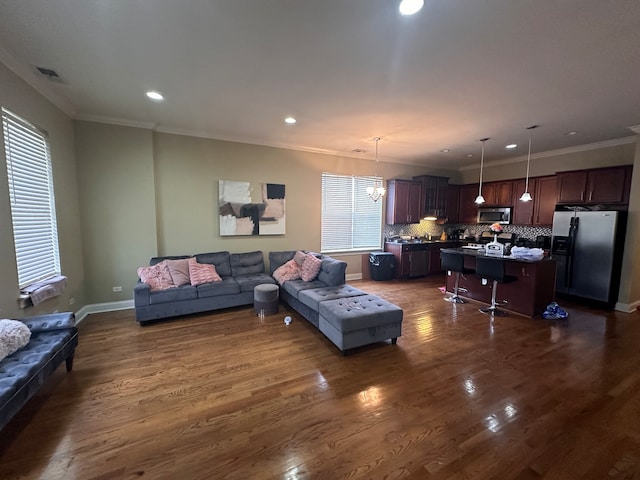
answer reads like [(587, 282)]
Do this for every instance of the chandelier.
[(377, 191)]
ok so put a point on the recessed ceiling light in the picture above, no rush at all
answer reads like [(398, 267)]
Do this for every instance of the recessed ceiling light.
[(568, 134), (154, 95), (409, 7), (469, 155), (445, 150), (511, 146), (290, 120)]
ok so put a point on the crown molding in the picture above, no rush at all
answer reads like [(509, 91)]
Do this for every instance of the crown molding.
[(554, 153), (123, 122), (231, 138), (40, 85)]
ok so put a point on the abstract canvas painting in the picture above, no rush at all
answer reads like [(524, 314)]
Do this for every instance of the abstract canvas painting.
[(251, 208)]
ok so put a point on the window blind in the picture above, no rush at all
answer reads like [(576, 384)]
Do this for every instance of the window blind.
[(32, 200), (350, 219)]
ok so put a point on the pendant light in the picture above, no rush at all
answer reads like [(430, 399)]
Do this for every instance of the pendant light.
[(480, 198), (377, 191), (526, 196)]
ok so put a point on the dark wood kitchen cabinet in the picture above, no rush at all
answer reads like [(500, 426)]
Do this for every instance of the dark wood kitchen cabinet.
[(411, 258), (453, 203), (523, 211), (468, 209), (404, 201), (498, 194), (544, 200), (434, 191), (538, 212), (598, 185)]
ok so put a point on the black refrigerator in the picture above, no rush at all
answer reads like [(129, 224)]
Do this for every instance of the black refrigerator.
[(587, 246)]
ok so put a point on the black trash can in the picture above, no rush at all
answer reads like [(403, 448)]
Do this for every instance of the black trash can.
[(382, 265)]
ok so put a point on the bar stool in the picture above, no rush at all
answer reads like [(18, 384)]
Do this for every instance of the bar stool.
[(493, 269), (454, 262)]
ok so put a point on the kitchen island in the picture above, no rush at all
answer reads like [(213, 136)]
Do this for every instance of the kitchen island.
[(529, 294)]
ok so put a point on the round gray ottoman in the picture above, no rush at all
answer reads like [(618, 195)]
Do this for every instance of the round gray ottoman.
[(266, 297)]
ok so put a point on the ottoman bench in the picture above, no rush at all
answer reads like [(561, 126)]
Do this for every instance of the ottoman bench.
[(266, 298), (356, 321)]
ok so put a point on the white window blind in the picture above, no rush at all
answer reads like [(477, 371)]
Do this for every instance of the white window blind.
[(350, 219), (32, 202)]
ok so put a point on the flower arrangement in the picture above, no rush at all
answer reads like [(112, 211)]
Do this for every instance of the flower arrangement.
[(496, 228)]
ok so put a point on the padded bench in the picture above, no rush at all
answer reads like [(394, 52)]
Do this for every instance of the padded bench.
[(54, 338), (360, 320)]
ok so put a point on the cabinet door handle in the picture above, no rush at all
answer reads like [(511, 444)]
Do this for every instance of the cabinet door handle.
[(582, 196), (590, 195)]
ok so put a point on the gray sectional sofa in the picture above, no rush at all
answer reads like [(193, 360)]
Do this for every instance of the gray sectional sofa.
[(240, 273), (347, 316)]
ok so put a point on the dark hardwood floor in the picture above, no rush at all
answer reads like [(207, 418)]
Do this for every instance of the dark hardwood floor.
[(226, 396)]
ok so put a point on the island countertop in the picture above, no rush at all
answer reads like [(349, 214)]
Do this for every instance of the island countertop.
[(481, 253), (529, 294)]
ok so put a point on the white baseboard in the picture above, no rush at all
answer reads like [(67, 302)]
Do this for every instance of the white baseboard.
[(354, 276), (102, 307), (627, 307)]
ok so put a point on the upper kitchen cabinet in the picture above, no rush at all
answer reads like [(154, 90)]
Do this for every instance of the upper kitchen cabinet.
[(544, 200), (453, 203), (523, 211), (538, 212), (498, 194), (468, 209), (434, 191), (404, 201), (599, 185)]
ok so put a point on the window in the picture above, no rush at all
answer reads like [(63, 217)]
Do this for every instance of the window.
[(32, 202), (350, 219)]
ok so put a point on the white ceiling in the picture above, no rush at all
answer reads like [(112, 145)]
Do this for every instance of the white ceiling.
[(348, 70)]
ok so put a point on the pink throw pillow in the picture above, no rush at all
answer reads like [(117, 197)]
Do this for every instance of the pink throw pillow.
[(286, 272), (156, 276), (179, 270), (202, 273), (299, 257), (310, 268)]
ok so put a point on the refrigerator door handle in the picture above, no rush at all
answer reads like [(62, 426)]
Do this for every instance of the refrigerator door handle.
[(568, 269)]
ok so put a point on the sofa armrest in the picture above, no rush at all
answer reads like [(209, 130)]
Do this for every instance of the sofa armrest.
[(141, 294), (50, 321)]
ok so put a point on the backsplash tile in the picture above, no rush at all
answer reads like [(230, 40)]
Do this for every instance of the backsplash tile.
[(435, 230)]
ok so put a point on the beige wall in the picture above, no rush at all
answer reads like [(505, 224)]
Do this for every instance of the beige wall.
[(630, 278), (147, 193), (116, 184), (23, 100)]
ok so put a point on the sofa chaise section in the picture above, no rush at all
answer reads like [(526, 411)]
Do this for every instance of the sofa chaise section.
[(347, 316)]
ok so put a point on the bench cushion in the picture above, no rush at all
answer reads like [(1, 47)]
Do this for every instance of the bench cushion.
[(356, 313), (312, 297)]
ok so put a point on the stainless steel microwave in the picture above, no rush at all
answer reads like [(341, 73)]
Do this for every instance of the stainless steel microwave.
[(494, 215)]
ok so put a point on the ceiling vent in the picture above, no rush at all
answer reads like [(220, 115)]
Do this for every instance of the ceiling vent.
[(50, 74)]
